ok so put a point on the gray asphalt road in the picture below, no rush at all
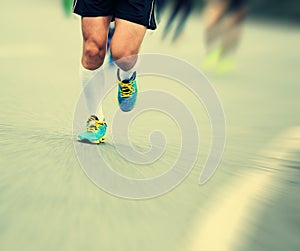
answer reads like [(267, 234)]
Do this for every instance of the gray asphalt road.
[(48, 203)]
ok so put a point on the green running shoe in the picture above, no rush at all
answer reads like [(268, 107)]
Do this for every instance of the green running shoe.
[(95, 131), (225, 66), (127, 93), (212, 59)]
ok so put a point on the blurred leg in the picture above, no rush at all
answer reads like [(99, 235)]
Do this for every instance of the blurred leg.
[(186, 11), (214, 12), (232, 27), (175, 10), (160, 7)]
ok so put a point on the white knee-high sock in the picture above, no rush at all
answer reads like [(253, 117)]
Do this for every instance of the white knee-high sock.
[(126, 75), (91, 93)]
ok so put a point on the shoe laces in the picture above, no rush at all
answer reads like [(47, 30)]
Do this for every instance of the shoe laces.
[(93, 124), (126, 89)]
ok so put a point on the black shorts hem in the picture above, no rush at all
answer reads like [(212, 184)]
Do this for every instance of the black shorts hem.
[(137, 21), (129, 19), (85, 14)]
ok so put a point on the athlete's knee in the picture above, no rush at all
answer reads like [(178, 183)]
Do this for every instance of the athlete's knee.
[(93, 53), (94, 49)]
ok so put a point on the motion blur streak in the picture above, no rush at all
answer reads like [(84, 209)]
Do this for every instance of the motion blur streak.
[(233, 210)]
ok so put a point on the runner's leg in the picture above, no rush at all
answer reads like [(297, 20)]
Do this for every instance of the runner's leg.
[(126, 42), (95, 32)]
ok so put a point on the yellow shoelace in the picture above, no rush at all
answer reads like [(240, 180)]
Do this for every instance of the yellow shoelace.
[(126, 89), (94, 124)]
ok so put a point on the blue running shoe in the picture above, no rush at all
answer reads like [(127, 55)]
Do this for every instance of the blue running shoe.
[(127, 93), (95, 131)]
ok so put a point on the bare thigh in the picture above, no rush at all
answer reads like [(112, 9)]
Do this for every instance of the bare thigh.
[(94, 32), (126, 43), (214, 11)]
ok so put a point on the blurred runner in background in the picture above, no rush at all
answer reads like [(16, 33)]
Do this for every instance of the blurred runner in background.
[(67, 7), (180, 9), (223, 20), (160, 8)]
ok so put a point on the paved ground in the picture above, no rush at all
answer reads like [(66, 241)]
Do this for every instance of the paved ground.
[(48, 203)]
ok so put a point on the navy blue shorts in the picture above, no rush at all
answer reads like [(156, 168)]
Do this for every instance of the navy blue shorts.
[(136, 11)]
